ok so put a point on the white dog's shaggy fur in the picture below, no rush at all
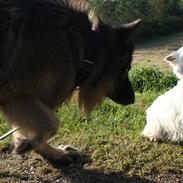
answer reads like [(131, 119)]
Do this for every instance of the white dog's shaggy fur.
[(165, 115)]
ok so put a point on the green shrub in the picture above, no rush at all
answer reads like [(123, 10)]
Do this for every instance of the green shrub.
[(144, 78)]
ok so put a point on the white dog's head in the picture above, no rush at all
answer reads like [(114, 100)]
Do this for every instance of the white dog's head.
[(175, 60)]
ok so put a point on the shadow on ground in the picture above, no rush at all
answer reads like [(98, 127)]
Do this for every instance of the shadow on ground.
[(33, 169), (94, 176), (73, 175)]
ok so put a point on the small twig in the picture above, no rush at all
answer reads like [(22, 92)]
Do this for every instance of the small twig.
[(8, 133)]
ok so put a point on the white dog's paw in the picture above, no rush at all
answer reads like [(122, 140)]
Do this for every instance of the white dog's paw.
[(154, 139)]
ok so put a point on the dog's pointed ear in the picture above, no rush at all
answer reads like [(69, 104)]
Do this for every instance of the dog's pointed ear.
[(170, 58), (127, 30), (132, 27)]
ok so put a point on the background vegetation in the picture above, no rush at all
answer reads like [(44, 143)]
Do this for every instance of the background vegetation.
[(148, 78), (159, 17)]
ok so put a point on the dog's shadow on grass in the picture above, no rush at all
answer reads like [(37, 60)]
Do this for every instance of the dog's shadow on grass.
[(80, 173), (95, 176)]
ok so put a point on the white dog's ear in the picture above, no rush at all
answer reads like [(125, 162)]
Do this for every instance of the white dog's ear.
[(170, 58)]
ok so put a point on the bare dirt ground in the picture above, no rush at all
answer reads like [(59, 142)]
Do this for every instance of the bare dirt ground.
[(33, 169), (153, 52)]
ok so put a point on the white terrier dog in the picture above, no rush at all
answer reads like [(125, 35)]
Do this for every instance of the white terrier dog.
[(165, 115)]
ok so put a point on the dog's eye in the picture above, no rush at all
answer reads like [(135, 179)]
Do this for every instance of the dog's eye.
[(127, 69)]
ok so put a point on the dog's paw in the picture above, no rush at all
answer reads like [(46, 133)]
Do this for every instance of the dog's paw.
[(64, 155), (58, 156), (68, 149), (154, 139), (70, 153)]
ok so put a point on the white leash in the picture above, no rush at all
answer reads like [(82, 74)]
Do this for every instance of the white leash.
[(8, 133)]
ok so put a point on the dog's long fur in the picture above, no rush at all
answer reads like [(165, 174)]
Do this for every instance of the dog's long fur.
[(165, 115), (48, 48)]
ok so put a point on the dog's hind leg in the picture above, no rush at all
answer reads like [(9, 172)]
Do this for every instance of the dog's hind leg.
[(36, 121), (37, 124)]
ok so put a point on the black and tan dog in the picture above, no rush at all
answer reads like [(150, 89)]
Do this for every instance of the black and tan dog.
[(48, 48)]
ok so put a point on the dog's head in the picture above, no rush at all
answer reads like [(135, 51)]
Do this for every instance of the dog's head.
[(175, 60), (109, 76)]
